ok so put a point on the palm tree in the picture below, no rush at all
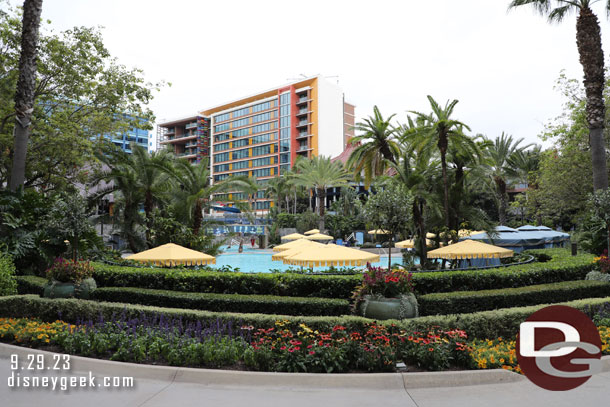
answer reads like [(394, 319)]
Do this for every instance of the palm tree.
[(416, 171), (26, 84), (152, 170), (589, 44), (438, 130), (374, 147), (121, 175), (320, 173), (500, 168), (194, 189)]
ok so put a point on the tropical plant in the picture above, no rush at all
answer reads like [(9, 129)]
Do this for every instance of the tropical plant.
[(437, 130), (320, 173), (600, 210), (389, 209), (8, 283), (121, 175), (194, 190), (589, 44), (69, 220), (69, 271), (374, 147), (382, 282), (501, 156)]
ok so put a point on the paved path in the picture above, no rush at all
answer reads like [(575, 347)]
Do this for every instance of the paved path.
[(177, 388)]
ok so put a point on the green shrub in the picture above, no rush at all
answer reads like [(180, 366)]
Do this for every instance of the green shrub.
[(225, 302), (30, 284), (562, 267), (473, 301), (485, 324), (297, 285), (8, 284)]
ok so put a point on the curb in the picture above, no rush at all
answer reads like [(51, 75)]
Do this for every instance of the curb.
[(230, 378)]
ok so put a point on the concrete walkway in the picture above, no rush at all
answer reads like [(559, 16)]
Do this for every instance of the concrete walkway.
[(169, 386)]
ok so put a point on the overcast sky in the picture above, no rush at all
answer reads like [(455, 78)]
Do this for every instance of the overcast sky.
[(501, 66)]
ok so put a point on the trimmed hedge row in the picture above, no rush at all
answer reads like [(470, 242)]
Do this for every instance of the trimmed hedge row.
[(486, 324), (30, 284), (459, 302), (298, 285), (265, 304), (562, 267)]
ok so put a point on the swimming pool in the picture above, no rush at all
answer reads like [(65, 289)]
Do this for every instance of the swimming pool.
[(259, 261)]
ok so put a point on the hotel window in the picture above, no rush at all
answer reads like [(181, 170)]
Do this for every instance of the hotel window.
[(263, 138), (240, 174), (261, 117), (220, 177), (263, 172), (221, 137), (241, 132), (218, 158), (221, 147), (240, 154), (221, 117), (260, 107), (221, 127), (240, 165), (263, 205), (240, 122), (241, 112), (262, 150), (221, 168), (240, 143), (261, 128), (259, 162), (284, 145)]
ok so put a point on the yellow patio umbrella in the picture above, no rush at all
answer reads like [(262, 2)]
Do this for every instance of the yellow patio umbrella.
[(293, 236), (171, 254), (312, 231), (291, 245), (470, 249), (331, 255), (379, 232), (319, 236), (430, 235), (304, 244), (410, 244)]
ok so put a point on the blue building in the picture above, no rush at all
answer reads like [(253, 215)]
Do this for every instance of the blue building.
[(135, 135)]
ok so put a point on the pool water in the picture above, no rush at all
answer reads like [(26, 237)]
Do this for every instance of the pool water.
[(259, 261)]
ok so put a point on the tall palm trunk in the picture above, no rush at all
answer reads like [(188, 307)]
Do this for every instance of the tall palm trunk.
[(24, 98), (502, 199), (321, 195), (418, 217), (588, 40), (197, 218), (148, 208), (442, 146)]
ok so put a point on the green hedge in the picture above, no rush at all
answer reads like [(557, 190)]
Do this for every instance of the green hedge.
[(285, 284), (486, 324), (562, 267), (458, 302), (30, 284), (264, 304)]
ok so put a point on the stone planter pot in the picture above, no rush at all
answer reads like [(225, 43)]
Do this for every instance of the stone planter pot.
[(56, 289), (381, 308)]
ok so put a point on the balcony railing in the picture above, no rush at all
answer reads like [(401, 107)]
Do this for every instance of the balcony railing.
[(190, 126)]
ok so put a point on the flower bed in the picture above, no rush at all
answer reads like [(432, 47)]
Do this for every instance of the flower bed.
[(284, 348)]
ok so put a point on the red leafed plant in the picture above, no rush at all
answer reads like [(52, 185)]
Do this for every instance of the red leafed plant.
[(383, 282)]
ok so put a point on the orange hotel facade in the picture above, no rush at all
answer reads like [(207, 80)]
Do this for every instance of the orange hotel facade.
[(262, 135)]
